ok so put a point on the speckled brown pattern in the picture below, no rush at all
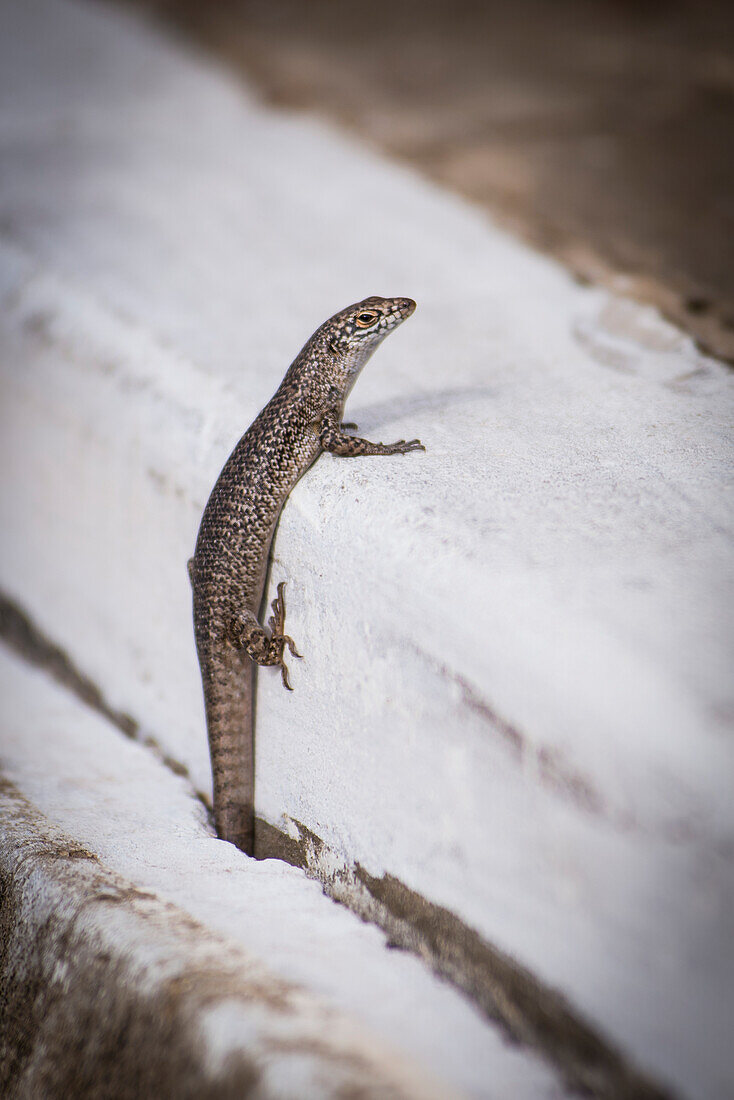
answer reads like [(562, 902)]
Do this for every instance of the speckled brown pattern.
[(230, 562)]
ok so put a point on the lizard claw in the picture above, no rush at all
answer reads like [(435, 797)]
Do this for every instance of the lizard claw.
[(291, 646), (402, 448), (279, 639), (277, 620)]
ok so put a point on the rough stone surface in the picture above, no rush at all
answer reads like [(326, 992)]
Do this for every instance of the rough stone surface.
[(114, 801), (516, 692), (107, 992)]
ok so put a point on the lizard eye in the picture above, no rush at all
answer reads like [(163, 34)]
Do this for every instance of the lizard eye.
[(364, 320)]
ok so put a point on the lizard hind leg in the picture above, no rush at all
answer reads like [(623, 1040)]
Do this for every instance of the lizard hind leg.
[(246, 633), (276, 622)]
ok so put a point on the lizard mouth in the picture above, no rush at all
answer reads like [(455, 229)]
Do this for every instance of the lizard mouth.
[(404, 306)]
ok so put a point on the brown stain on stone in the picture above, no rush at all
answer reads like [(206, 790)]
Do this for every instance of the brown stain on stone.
[(73, 1020), (84, 1016), (528, 1011), (22, 635), (553, 770)]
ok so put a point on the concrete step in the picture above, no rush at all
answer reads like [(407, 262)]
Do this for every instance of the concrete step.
[(221, 968)]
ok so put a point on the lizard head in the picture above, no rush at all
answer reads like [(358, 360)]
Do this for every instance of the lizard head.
[(354, 333)]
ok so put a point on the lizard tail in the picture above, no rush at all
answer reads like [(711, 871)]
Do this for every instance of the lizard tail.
[(229, 684)]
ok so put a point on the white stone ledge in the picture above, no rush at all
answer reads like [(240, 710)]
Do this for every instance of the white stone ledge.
[(290, 970), (516, 690), (109, 991)]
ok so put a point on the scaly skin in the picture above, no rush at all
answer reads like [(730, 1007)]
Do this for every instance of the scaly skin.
[(230, 563)]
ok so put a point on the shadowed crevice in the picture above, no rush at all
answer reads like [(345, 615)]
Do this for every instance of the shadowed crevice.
[(528, 1011), (21, 634)]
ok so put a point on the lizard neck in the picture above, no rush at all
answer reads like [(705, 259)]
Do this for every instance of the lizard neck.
[(323, 368)]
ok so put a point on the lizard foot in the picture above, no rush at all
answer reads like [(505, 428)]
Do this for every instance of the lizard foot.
[(276, 622), (246, 633), (402, 448)]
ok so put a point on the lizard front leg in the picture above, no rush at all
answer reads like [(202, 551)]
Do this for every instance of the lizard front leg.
[(246, 633), (333, 439)]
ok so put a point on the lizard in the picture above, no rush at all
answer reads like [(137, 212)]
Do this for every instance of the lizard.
[(230, 563)]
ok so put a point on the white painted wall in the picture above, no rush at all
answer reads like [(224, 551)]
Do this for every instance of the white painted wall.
[(516, 694)]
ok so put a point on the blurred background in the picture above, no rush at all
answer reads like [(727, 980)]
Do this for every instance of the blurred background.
[(601, 132)]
